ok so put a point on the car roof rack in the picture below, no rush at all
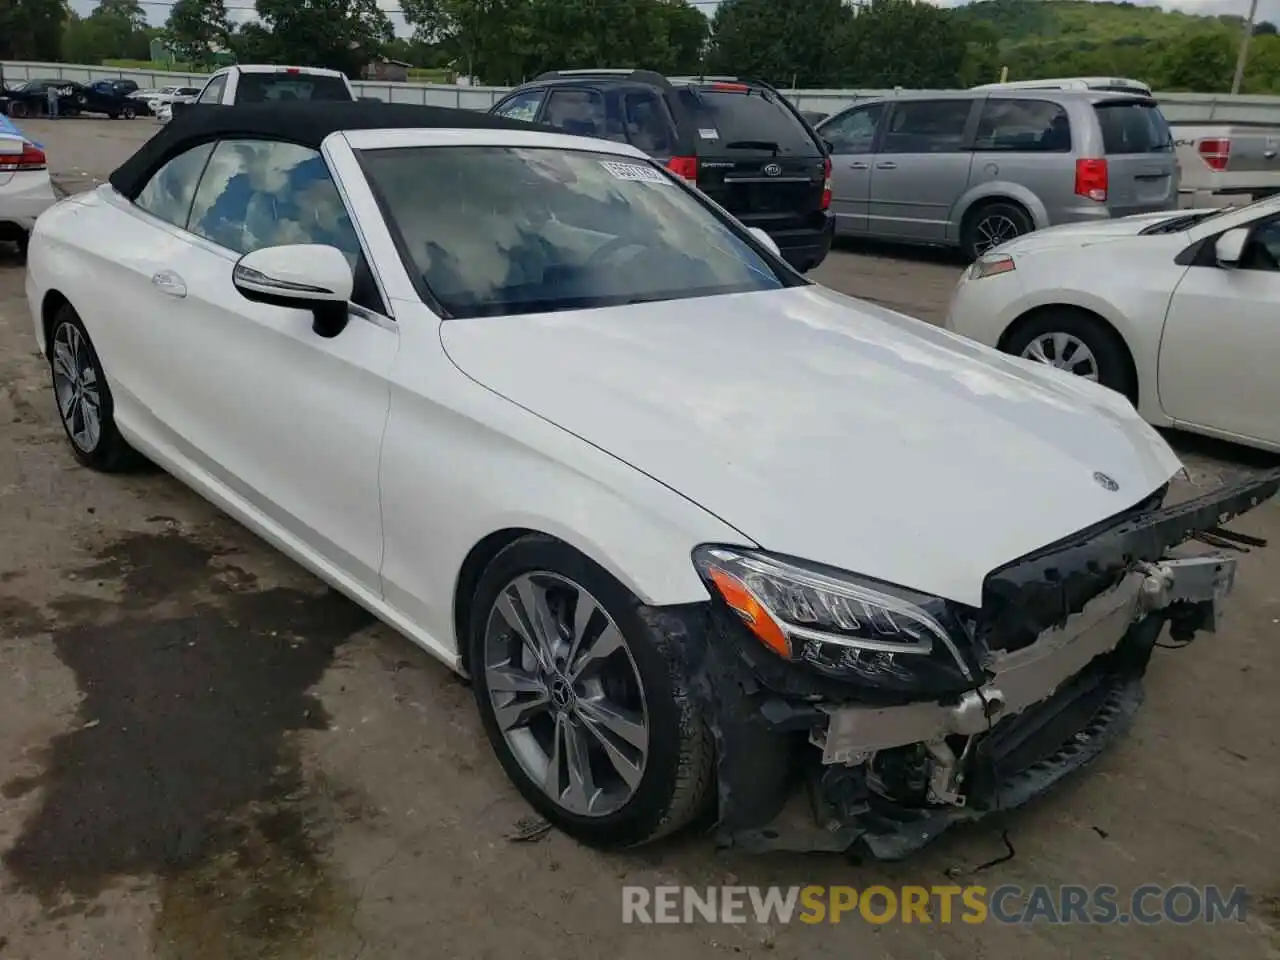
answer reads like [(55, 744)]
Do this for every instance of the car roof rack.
[(648, 76)]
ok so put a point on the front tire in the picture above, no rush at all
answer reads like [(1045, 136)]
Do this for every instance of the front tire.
[(586, 706), (1079, 343), (83, 397)]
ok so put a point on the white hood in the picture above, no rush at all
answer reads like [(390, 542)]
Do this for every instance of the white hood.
[(830, 429), (1091, 232)]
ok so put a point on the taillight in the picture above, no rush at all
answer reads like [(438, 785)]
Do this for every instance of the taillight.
[(826, 183), (1215, 151), (685, 168), (1091, 179), (730, 87), (31, 158)]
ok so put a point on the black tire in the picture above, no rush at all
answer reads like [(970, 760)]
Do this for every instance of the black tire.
[(999, 214), (17, 110), (127, 113), (678, 777), (1114, 363), (110, 453)]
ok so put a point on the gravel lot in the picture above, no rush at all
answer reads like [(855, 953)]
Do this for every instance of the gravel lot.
[(204, 754)]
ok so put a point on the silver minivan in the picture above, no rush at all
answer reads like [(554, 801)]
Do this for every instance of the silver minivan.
[(974, 169)]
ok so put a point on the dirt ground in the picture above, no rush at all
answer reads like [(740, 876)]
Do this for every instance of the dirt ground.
[(206, 755)]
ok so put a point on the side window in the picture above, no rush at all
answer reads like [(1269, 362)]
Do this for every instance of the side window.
[(169, 193), (264, 193), (577, 111), (523, 106), (213, 90), (1025, 126), (1262, 252), (927, 126), (647, 127), (855, 131)]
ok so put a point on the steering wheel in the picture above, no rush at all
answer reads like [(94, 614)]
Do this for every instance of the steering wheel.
[(608, 249)]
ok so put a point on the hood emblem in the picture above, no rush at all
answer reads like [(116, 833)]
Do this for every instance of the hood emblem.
[(772, 169), (1105, 482)]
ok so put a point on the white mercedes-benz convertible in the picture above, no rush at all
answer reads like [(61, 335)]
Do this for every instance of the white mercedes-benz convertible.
[(697, 528)]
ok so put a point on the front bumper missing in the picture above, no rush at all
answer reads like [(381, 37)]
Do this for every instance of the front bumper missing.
[(1064, 640)]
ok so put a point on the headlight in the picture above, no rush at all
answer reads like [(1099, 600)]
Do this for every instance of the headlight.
[(991, 265), (845, 626)]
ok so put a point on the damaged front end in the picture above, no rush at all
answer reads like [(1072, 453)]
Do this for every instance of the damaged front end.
[(902, 715)]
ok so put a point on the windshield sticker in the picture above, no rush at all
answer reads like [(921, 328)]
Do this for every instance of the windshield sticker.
[(709, 133), (634, 171)]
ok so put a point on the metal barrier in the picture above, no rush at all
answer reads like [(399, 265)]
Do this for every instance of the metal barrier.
[(1178, 107)]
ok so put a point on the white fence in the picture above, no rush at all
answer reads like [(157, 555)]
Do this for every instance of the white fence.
[(1185, 107)]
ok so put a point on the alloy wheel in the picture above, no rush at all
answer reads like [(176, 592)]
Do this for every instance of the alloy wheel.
[(75, 384), (993, 230), (1065, 352), (566, 693)]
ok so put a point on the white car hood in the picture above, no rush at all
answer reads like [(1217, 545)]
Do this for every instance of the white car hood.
[(830, 429), (1091, 232)]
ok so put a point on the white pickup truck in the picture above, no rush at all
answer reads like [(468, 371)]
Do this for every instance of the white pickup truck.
[(1219, 159), (260, 83)]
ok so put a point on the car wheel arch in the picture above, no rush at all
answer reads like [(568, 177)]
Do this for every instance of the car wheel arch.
[(1035, 313), (485, 550), (1000, 192), (52, 303)]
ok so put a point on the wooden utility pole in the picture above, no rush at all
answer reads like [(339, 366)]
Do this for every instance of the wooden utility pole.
[(1244, 47)]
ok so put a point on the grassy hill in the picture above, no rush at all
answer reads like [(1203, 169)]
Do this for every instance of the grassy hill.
[(1170, 50)]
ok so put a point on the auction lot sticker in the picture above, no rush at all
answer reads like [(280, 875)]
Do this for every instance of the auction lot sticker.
[(636, 172)]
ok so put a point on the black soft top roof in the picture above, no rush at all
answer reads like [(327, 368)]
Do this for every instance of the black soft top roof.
[(305, 123)]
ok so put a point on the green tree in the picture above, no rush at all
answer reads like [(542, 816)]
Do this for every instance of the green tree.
[(31, 29), (196, 28), (1201, 63), (339, 34), (253, 43), (901, 43), (122, 27), (783, 43)]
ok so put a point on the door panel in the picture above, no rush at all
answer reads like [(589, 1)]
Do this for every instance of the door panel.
[(291, 421), (852, 136), (1221, 346), (921, 169), (246, 393)]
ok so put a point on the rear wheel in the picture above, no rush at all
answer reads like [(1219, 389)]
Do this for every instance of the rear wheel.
[(85, 406), (18, 110), (990, 225), (127, 112), (1079, 343), (580, 699)]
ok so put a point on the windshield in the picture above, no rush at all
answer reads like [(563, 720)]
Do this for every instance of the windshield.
[(505, 230)]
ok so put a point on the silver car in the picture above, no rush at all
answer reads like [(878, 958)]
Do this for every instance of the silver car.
[(974, 169)]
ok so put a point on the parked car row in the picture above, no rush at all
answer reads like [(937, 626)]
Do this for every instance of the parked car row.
[(111, 98)]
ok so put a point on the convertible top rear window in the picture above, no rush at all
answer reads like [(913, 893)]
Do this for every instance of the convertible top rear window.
[(505, 230)]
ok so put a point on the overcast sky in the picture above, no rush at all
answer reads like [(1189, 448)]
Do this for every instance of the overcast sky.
[(158, 10)]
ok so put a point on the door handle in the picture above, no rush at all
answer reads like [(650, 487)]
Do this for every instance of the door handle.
[(168, 282), (886, 165), (858, 165)]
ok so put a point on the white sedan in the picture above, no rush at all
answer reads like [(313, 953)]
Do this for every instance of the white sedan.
[(1177, 311), (25, 188), (694, 525)]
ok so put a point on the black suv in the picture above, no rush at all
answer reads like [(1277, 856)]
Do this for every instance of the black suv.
[(740, 141)]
